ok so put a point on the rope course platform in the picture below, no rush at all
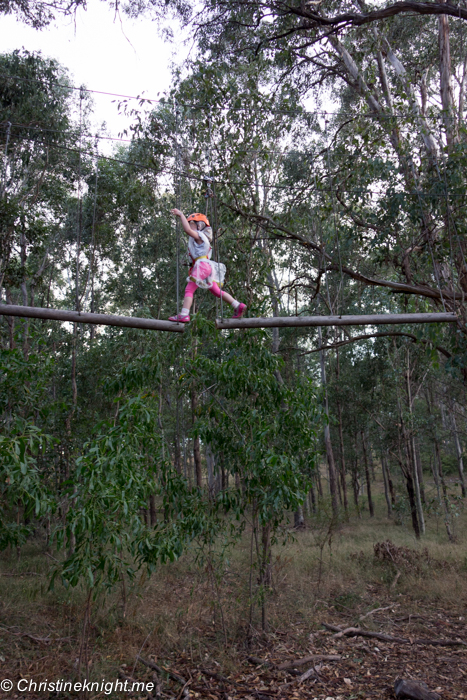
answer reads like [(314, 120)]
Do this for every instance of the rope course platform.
[(368, 320), (151, 324)]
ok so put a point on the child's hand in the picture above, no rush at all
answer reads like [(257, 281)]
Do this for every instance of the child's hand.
[(176, 212)]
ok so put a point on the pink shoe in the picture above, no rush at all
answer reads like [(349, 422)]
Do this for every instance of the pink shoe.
[(241, 308), (180, 318)]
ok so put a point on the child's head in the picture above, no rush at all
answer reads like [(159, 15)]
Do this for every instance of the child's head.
[(200, 222)]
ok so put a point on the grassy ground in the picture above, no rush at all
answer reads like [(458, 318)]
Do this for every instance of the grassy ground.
[(193, 616)]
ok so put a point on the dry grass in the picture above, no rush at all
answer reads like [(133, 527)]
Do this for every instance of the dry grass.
[(320, 570)]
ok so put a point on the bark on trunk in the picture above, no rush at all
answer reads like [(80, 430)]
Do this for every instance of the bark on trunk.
[(412, 503), (421, 480), (460, 461), (411, 451), (313, 498), (299, 520), (386, 485), (367, 476), (447, 97)]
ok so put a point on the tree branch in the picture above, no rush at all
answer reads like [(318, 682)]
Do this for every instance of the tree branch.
[(425, 291), (355, 19), (412, 337)]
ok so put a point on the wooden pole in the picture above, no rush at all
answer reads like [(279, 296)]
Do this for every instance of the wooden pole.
[(370, 320), (98, 319)]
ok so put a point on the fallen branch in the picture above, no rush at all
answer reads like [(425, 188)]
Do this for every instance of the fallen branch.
[(26, 573), (414, 690), (308, 659), (47, 554), (372, 612), (311, 672), (358, 632), (174, 676), (259, 662)]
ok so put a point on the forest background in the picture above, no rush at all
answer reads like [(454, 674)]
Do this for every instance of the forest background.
[(124, 450)]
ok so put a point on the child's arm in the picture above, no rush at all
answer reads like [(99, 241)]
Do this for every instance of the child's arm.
[(186, 226)]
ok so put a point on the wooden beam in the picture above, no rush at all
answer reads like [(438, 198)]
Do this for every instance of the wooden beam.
[(97, 319), (370, 320)]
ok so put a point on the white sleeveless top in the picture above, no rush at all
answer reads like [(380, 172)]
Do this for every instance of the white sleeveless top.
[(196, 250), (204, 272)]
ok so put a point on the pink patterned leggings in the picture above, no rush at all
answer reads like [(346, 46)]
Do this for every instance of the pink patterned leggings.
[(191, 288)]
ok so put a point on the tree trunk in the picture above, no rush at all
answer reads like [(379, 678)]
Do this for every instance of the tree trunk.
[(445, 498), (367, 476), (10, 320), (313, 498), (412, 503), (386, 484), (196, 447), (342, 460), (460, 461), (392, 490), (447, 100), (299, 520), (341, 443), (411, 454), (420, 473), (319, 482), (355, 485), (327, 435)]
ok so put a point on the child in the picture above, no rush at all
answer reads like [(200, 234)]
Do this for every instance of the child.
[(203, 273)]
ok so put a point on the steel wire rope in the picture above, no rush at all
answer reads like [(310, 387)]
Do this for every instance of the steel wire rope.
[(93, 230), (203, 105), (80, 205), (209, 196), (340, 290), (178, 200), (216, 237), (200, 178), (244, 151)]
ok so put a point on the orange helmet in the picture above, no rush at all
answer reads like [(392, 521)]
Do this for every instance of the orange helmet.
[(198, 217)]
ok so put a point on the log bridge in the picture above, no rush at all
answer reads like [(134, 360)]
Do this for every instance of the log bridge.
[(368, 320), (151, 324)]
